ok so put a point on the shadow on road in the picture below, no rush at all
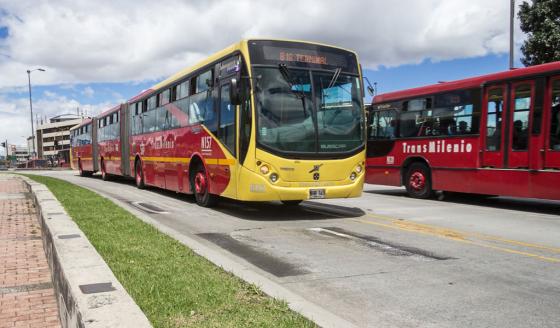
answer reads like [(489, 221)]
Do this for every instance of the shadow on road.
[(531, 205), (261, 211)]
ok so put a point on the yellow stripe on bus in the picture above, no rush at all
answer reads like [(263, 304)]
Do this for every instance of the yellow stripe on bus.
[(185, 160)]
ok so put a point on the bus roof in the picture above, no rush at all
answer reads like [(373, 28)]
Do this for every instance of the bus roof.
[(217, 55), (469, 82), (84, 122), (110, 110)]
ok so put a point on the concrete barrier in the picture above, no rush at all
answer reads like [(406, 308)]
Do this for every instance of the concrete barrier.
[(88, 293)]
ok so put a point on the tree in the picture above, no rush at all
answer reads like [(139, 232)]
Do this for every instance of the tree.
[(540, 20)]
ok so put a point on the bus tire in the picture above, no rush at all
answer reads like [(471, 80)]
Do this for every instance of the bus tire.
[(104, 175), (139, 175), (418, 181), (292, 203), (201, 191), (82, 172)]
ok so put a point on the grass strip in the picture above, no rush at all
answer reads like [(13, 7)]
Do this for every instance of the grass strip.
[(172, 285)]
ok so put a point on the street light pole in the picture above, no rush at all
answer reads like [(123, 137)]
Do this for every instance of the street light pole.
[(31, 106), (511, 20)]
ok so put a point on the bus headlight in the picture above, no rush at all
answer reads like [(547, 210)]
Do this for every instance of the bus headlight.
[(265, 169), (274, 177), (353, 176), (358, 169)]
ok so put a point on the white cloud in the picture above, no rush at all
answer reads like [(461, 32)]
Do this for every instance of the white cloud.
[(115, 41), (15, 114), (88, 92)]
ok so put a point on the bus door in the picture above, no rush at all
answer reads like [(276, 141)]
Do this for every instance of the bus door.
[(521, 105), (494, 124), (552, 125), (227, 130), (124, 151)]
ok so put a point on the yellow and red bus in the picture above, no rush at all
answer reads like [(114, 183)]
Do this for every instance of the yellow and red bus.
[(82, 154), (261, 120)]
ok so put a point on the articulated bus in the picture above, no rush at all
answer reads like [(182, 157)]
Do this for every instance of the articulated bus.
[(497, 134), (82, 155), (260, 120)]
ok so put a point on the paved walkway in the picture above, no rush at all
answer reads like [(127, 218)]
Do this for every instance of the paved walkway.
[(26, 291)]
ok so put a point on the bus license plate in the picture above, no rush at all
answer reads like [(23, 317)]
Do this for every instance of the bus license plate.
[(316, 193)]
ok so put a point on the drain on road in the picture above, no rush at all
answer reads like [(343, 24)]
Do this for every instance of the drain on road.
[(264, 261), (150, 208), (384, 246)]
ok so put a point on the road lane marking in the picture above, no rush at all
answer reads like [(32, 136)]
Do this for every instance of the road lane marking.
[(465, 234), (452, 235), (378, 244)]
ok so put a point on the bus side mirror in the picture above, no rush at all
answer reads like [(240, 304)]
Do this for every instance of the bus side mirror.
[(370, 90), (234, 96)]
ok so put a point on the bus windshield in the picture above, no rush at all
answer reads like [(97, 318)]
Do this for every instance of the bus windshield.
[(308, 111)]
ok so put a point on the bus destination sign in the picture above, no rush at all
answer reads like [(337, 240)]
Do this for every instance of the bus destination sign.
[(302, 58), (304, 55)]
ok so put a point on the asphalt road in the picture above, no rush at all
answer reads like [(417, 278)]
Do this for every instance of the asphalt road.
[(385, 260)]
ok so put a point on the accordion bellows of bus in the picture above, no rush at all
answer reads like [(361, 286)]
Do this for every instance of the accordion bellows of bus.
[(497, 134), (261, 120)]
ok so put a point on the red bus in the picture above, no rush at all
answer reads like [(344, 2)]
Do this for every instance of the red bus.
[(109, 144), (83, 151), (496, 134), (260, 120)]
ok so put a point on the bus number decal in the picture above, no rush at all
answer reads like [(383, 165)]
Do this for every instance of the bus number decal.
[(206, 143)]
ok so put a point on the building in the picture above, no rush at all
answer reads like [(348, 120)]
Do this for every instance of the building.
[(31, 145), (19, 154), (53, 137)]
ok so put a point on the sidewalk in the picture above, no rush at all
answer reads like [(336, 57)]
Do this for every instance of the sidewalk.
[(26, 291)]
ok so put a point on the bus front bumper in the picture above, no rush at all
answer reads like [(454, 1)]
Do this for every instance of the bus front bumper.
[(255, 187)]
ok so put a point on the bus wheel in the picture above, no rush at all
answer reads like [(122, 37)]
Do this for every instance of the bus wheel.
[(104, 175), (81, 169), (82, 172), (419, 181), (201, 193), (139, 175), (291, 203)]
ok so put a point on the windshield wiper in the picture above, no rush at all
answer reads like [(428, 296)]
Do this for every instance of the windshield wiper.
[(288, 78), (335, 77)]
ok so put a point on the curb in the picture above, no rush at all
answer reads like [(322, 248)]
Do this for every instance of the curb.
[(88, 293)]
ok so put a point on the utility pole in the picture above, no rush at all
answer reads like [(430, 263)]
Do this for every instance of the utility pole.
[(31, 104), (511, 21)]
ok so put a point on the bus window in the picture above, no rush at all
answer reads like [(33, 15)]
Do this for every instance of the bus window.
[(203, 81), (521, 117), (555, 117), (164, 97), (227, 119), (416, 118), (151, 103), (383, 125), (182, 90), (149, 121), (494, 119)]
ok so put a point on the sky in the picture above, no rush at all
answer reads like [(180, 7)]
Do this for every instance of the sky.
[(97, 54)]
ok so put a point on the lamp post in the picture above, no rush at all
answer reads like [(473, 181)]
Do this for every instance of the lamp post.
[(511, 23), (31, 106)]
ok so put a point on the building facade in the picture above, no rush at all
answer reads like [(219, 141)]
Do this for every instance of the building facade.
[(53, 137), (19, 154)]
